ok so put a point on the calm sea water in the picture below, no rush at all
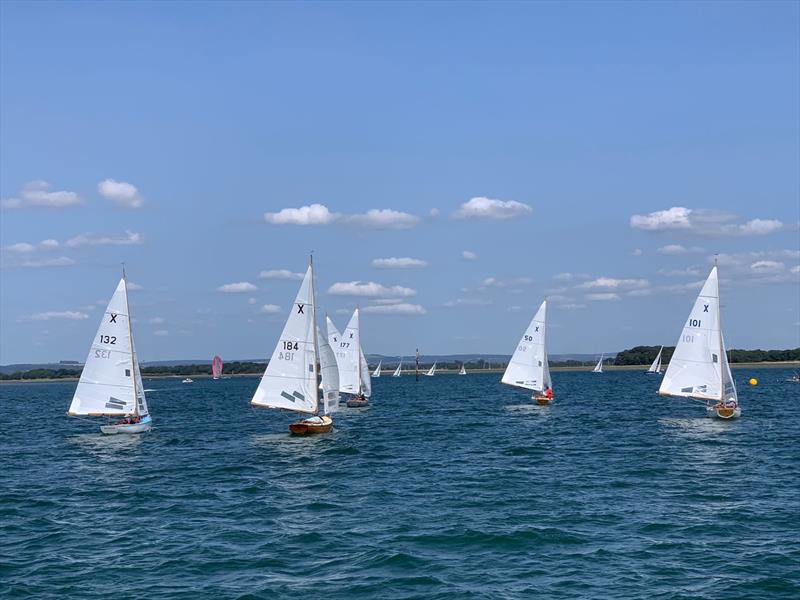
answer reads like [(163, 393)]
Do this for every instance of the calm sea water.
[(453, 487)]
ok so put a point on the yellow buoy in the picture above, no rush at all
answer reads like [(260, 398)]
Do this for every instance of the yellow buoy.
[(753, 381)]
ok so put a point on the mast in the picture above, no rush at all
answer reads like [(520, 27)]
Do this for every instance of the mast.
[(721, 345), (358, 348), (314, 327), (130, 337)]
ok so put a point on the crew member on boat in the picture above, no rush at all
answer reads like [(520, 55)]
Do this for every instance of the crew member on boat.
[(548, 393)]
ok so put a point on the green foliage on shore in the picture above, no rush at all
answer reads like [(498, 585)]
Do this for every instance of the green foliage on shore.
[(644, 355)]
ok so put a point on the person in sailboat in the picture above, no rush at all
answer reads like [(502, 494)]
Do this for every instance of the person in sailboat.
[(548, 393)]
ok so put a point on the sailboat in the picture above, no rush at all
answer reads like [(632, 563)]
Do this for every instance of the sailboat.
[(463, 371), (354, 376), (432, 371), (291, 379), (399, 370), (377, 371), (111, 382), (699, 368), (655, 368), (216, 367), (598, 368), (528, 367)]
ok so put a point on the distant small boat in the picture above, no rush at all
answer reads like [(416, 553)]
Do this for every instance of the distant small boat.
[(432, 371), (111, 381), (463, 371), (795, 378), (399, 370), (291, 380), (188, 380), (699, 368), (598, 368), (528, 367), (216, 367), (354, 375), (377, 371), (655, 368)]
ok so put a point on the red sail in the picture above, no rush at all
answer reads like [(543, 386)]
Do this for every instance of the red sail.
[(216, 367)]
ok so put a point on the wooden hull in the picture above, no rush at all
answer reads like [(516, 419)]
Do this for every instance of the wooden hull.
[(307, 427), (542, 400), (722, 412), (357, 402)]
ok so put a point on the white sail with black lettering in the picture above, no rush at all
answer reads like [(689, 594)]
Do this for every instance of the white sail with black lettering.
[(353, 370), (290, 380), (528, 366), (698, 367), (111, 373)]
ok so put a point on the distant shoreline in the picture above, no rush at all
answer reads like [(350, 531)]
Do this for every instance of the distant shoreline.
[(587, 369)]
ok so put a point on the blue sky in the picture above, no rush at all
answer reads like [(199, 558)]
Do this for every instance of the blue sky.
[(600, 153)]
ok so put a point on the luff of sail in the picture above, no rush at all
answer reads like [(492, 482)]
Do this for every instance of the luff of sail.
[(699, 367), (528, 366), (110, 380), (290, 379)]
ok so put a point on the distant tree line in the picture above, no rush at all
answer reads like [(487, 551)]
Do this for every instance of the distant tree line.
[(638, 355), (643, 355)]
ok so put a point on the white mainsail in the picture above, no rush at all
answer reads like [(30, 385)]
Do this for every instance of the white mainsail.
[(290, 380), (463, 371), (111, 382), (329, 371), (656, 366), (353, 369), (699, 366), (399, 370), (377, 371), (432, 371), (598, 368), (528, 366)]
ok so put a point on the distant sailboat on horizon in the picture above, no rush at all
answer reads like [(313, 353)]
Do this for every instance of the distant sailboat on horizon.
[(354, 375), (399, 370), (377, 371), (291, 380), (216, 367), (699, 368), (111, 382), (463, 371), (598, 368), (432, 371), (655, 368), (528, 367)]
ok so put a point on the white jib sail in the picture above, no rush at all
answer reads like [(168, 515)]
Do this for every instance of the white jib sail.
[(366, 380), (598, 368), (528, 366), (463, 371), (696, 368), (106, 386), (399, 370), (330, 375), (656, 366), (289, 381), (348, 355), (432, 371), (377, 371)]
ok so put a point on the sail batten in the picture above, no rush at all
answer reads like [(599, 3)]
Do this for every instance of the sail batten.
[(528, 367)]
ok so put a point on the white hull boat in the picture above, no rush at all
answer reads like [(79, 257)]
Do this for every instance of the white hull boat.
[(116, 428)]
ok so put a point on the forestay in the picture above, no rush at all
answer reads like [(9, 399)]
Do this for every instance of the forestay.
[(106, 386), (290, 382), (330, 374), (698, 367), (528, 366)]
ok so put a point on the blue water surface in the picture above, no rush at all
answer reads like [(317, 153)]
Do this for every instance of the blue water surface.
[(452, 487)]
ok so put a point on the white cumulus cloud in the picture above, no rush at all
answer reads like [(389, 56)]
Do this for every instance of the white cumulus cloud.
[(468, 255), (767, 266), (487, 208), (602, 296), (121, 193), (369, 289), (280, 274), (401, 308), (70, 315), (314, 214), (674, 249), (384, 218), (38, 194), (676, 217), (398, 263), (240, 287), (703, 222), (613, 284), (270, 309), (89, 239)]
